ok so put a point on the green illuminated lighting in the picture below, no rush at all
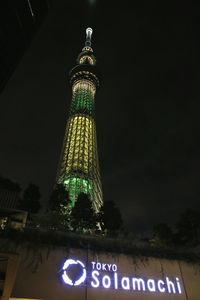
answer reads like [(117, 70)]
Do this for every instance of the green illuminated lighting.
[(75, 186), (83, 102), (83, 97)]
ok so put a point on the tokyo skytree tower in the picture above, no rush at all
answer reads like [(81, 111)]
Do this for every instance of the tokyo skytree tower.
[(79, 166)]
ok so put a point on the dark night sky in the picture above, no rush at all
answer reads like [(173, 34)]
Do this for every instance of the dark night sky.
[(147, 109)]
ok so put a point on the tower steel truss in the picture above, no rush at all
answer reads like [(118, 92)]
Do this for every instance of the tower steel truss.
[(79, 166)]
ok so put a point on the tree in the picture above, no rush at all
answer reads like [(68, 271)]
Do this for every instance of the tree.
[(162, 234), (188, 227), (58, 215), (58, 198), (30, 199), (83, 217), (110, 218)]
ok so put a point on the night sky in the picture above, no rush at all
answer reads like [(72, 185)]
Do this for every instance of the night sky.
[(147, 109)]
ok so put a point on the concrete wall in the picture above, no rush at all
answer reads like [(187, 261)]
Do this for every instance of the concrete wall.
[(40, 277)]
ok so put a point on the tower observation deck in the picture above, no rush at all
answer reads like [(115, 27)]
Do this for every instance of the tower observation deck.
[(79, 166)]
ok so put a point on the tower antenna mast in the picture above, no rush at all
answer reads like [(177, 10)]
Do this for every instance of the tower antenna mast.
[(88, 40)]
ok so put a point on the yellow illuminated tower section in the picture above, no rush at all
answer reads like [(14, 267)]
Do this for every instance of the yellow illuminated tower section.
[(79, 166)]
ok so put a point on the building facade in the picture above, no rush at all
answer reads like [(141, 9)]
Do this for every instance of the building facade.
[(19, 21), (79, 166), (42, 272), (10, 215)]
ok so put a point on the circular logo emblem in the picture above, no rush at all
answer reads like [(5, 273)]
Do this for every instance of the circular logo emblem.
[(67, 265)]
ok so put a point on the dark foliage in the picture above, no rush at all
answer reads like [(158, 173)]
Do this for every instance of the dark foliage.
[(188, 227), (34, 238), (30, 199), (187, 231), (58, 197), (162, 234), (110, 217), (82, 214)]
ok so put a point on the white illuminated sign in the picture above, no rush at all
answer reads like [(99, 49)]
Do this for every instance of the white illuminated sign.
[(107, 276), (66, 278)]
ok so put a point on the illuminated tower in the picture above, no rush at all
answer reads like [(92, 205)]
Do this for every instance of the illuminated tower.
[(79, 167)]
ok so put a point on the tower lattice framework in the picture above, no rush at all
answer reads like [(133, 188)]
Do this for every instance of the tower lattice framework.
[(79, 165)]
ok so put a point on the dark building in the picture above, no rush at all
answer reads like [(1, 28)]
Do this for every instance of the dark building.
[(19, 21), (10, 215), (9, 193)]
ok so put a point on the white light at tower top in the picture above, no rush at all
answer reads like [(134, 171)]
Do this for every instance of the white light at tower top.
[(92, 2), (88, 36), (89, 32)]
